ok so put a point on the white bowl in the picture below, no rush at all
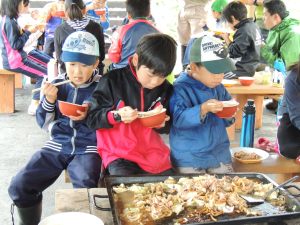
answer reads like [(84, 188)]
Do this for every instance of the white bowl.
[(263, 154), (72, 218)]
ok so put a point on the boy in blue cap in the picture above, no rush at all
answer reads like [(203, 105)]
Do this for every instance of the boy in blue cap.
[(198, 138), (72, 145)]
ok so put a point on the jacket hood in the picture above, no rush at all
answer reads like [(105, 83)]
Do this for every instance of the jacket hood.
[(287, 22), (78, 24)]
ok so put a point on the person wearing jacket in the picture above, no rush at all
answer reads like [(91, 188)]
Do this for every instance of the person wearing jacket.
[(284, 36), (245, 47), (283, 41), (72, 145), (76, 21), (198, 137), (12, 42), (126, 37), (124, 144), (102, 19)]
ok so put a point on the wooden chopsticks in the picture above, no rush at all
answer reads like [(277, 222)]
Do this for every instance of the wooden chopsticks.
[(56, 84)]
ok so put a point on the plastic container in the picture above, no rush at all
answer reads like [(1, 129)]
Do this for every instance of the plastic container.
[(248, 124)]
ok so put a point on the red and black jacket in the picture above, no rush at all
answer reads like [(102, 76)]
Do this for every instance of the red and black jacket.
[(132, 141)]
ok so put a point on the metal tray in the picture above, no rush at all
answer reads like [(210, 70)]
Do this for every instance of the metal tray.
[(270, 213)]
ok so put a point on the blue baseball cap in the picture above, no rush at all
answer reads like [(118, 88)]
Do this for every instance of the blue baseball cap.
[(80, 46)]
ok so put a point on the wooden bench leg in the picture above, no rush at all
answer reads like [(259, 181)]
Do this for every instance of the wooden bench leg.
[(258, 101), (7, 93)]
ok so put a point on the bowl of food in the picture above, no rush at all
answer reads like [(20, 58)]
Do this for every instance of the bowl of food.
[(60, 13), (229, 83), (248, 155), (229, 109), (71, 218), (152, 118), (70, 109), (100, 12), (246, 81)]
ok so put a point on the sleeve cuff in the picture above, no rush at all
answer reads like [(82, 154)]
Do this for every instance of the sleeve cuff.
[(47, 106)]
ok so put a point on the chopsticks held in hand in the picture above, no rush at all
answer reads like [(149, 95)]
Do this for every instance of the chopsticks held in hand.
[(56, 84)]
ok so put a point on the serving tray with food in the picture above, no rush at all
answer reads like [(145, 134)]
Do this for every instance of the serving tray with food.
[(197, 199)]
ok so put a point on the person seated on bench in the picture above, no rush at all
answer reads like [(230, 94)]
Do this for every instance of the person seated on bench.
[(12, 41), (289, 129), (125, 145), (73, 144)]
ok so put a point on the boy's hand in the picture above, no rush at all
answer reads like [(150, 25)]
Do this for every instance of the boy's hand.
[(82, 115), (128, 114), (212, 105), (50, 92)]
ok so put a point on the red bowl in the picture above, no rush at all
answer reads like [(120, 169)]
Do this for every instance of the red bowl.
[(246, 81), (70, 109), (99, 12), (154, 120), (60, 13), (229, 109)]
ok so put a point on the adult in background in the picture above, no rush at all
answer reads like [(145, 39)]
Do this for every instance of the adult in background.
[(75, 11), (283, 41), (191, 21)]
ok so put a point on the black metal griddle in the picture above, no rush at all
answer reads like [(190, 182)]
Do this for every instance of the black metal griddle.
[(270, 212)]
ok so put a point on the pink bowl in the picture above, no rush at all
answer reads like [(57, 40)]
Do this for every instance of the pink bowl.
[(154, 120), (229, 109), (246, 81), (70, 109)]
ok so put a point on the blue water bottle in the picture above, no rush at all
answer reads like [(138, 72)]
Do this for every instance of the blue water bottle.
[(248, 123)]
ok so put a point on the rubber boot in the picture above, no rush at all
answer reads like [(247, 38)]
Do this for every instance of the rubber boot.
[(31, 215)]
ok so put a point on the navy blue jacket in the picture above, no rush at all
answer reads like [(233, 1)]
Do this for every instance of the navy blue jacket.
[(68, 136)]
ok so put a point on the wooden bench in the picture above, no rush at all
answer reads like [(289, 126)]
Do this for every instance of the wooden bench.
[(8, 82), (279, 166)]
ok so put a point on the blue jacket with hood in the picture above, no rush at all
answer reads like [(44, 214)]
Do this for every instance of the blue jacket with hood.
[(197, 142), (68, 136)]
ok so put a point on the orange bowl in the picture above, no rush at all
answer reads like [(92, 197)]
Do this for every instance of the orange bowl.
[(99, 12), (246, 81), (60, 13), (229, 109), (70, 109), (154, 120)]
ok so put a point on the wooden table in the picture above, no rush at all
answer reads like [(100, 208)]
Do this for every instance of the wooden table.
[(281, 167), (255, 92)]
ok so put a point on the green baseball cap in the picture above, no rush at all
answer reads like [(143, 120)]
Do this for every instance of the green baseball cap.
[(212, 53), (219, 5)]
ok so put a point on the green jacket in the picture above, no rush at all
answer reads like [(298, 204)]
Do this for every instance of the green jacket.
[(283, 41)]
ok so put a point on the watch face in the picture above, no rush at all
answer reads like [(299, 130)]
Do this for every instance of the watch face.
[(117, 117)]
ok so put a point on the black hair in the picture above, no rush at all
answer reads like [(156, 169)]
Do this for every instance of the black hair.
[(276, 7), (158, 53), (138, 8), (236, 9), (26, 3), (74, 9), (10, 8)]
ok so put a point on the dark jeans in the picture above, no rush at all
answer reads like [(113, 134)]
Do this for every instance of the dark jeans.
[(40, 57), (123, 167), (49, 46), (45, 167), (288, 138)]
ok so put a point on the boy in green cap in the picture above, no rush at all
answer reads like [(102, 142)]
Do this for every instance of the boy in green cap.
[(217, 8)]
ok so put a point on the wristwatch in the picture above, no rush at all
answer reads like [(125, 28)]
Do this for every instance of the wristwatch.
[(117, 117)]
